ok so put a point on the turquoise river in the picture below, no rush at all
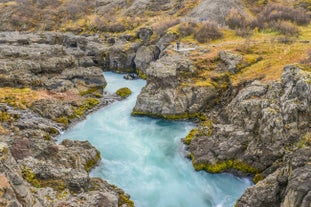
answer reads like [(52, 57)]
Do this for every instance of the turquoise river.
[(146, 158)]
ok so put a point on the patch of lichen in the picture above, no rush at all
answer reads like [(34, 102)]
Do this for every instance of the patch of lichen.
[(93, 91), (19, 97), (87, 104), (258, 177), (8, 117), (141, 74), (205, 129), (304, 141), (90, 164), (223, 166), (123, 199), (190, 136), (78, 111), (249, 60), (30, 177), (124, 92), (62, 120)]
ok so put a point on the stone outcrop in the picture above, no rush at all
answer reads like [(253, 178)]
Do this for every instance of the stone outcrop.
[(264, 131), (165, 96), (217, 11), (55, 61), (64, 80), (144, 56)]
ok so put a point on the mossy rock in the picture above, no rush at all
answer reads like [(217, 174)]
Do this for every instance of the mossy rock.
[(87, 104), (124, 92), (258, 177), (141, 74), (223, 166), (190, 136), (90, 164), (30, 177), (123, 199), (94, 91)]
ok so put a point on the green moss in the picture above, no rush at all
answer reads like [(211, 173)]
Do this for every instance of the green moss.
[(124, 92), (190, 136), (141, 74), (123, 199), (258, 177), (4, 116), (47, 137), (86, 105), (224, 165), (92, 91), (91, 163), (52, 130), (30, 177), (304, 141), (62, 120)]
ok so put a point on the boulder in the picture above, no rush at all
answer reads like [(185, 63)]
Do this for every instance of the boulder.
[(164, 96), (144, 56), (229, 61)]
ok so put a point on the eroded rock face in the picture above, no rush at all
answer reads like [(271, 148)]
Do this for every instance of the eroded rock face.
[(64, 72), (55, 61), (164, 96), (264, 130), (145, 55)]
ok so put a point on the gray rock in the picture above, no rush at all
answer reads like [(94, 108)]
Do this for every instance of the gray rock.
[(165, 97), (229, 61), (265, 128), (144, 56)]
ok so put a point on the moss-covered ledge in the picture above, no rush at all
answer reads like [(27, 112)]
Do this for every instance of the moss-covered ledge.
[(182, 116), (227, 165)]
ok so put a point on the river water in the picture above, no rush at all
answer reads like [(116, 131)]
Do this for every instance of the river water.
[(145, 157)]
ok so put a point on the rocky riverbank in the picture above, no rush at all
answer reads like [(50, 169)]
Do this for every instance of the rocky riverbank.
[(51, 80), (258, 129), (48, 82)]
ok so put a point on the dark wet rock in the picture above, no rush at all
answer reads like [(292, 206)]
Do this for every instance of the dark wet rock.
[(131, 76)]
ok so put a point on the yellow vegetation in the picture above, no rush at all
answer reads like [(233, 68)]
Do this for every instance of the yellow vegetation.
[(20, 98), (264, 56)]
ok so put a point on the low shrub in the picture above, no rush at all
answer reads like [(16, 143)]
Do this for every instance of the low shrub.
[(207, 31), (187, 29), (163, 24)]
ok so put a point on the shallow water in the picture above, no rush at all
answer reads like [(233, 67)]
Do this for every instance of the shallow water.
[(145, 157)]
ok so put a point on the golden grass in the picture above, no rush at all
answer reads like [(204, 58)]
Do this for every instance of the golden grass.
[(24, 97), (274, 55), (3, 131), (20, 98)]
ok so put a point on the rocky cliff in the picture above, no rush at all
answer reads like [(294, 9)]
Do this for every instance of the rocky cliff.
[(260, 129), (166, 94), (264, 132), (48, 81)]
